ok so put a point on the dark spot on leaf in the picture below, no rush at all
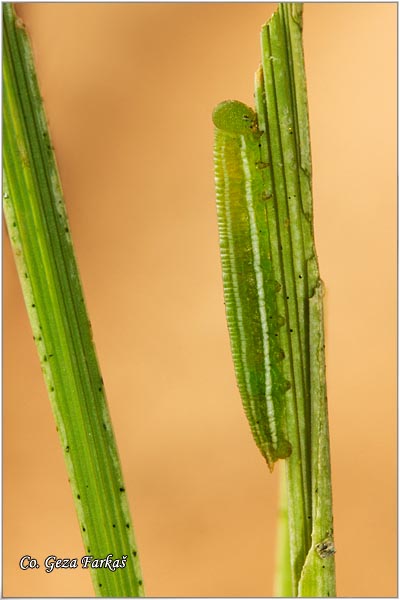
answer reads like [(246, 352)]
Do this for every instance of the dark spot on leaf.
[(121, 489), (261, 165), (78, 496)]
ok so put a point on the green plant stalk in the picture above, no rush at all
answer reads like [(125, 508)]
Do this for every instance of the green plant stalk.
[(39, 233), (283, 576), (281, 104)]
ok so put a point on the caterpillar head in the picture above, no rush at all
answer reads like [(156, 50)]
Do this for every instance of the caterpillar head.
[(235, 118)]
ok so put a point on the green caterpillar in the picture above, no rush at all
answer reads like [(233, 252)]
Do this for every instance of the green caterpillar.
[(250, 288)]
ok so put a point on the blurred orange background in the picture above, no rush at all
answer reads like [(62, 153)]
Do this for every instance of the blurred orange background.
[(129, 90)]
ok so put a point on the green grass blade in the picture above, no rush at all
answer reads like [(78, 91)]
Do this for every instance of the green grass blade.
[(277, 113), (281, 100), (282, 103), (39, 232), (318, 574)]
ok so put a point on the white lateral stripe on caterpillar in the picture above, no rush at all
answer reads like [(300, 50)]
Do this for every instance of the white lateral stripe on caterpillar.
[(255, 242)]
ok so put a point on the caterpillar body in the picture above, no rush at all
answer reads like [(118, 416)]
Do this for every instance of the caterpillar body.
[(250, 288)]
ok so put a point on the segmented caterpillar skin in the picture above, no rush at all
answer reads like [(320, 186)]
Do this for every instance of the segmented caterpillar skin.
[(250, 287)]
